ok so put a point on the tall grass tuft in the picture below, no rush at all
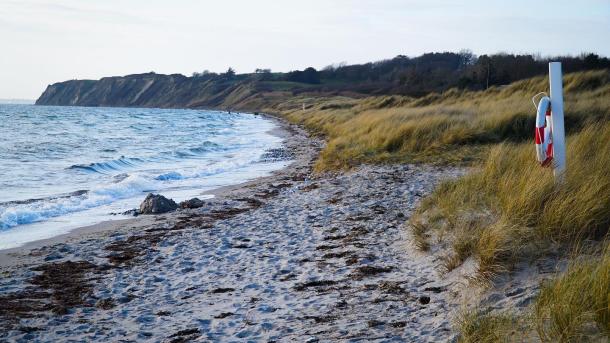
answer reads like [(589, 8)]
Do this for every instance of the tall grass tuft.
[(478, 327), (575, 307), (511, 207)]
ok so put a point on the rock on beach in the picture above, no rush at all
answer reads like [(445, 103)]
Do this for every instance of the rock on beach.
[(157, 203)]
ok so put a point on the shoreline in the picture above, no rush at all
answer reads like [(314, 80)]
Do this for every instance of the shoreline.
[(284, 130), (288, 256)]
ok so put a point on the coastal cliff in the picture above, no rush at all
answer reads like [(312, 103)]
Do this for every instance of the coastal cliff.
[(148, 90), (401, 75)]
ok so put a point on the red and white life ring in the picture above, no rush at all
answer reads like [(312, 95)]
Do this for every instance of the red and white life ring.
[(544, 143)]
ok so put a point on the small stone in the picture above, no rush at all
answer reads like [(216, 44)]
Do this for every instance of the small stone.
[(515, 291), (156, 203), (133, 212), (53, 256), (192, 203), (424, 300)]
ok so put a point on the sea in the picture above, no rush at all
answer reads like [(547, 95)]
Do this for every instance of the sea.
[(66, 167)]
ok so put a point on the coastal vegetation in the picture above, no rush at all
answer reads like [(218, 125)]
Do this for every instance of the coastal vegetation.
[(455, 126), (571, 308)]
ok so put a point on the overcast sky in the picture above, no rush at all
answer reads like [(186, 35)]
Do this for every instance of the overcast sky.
[(44, 41)]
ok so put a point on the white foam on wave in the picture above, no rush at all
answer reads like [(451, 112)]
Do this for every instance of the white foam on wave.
[(12, 215), (24, 213)]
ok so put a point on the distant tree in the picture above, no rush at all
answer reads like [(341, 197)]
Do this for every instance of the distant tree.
[(334, 66), (485, 71), (262, 71), (230, 73), (467, 58), (591, 61), (309, 75)]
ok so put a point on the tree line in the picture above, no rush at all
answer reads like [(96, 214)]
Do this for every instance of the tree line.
[(416, 76)]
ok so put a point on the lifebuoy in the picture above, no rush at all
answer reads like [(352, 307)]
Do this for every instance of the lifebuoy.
[(544, 143)]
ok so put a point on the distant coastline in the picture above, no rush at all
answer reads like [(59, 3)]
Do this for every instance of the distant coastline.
[(17, 101), (400, 76)]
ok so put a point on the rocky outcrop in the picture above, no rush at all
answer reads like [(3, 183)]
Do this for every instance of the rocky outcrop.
[(156, 203)]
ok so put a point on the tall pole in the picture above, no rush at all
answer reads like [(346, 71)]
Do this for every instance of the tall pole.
[(557, 127)]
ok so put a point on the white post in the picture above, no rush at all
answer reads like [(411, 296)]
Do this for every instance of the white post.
[(557, 127)]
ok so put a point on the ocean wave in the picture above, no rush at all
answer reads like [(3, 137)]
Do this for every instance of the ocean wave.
[(169, 176), (198, 151), (29, 201), (126, 186), (124, 163), (35, 210), (177, 156), (108, 166)]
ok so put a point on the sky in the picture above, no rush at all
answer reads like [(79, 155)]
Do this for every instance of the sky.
[(43, 41)]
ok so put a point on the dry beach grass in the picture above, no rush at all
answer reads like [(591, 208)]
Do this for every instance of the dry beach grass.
[(571, 308), (511, 209), (452, 127)]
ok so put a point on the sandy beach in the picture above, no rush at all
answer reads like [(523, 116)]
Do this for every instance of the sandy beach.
[(290, 257)]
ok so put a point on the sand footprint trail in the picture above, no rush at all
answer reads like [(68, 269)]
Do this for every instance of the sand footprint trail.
[(302, 266)]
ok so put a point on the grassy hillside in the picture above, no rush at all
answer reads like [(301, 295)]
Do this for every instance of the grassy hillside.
[(507, 209), (455, 126)]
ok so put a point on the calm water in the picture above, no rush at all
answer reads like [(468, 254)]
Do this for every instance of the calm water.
[(65, 167)]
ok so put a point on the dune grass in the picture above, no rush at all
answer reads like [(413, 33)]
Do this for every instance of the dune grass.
[(510, 208), (573, 307), (454, 127), (478, 327)]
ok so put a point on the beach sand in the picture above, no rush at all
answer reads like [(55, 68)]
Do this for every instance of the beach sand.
[(289, 257)]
